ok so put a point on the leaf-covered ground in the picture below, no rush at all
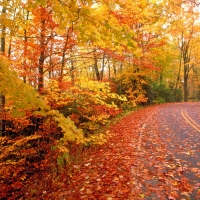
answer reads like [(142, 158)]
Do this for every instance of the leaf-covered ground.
[(153, 154)]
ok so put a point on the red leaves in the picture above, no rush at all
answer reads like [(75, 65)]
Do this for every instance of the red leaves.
[(106, 172), (185, 185), (119, 169), (103, 110), (17, 185)]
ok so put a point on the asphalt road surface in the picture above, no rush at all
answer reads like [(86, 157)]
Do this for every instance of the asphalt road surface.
[(153, 154), (171, 144)]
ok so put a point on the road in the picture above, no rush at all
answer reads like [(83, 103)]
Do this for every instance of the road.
[(171, 145), (153, 154)]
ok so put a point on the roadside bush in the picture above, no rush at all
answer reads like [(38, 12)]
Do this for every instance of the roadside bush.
[(90, 104), (131, 84), (150, 94), (159, 100), (163, 93), (160, 93), (178, 95)]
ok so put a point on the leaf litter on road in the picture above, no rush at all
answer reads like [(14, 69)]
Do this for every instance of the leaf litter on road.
[(121, 170)]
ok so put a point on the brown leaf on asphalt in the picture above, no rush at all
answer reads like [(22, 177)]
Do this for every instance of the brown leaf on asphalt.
[(194, 169)]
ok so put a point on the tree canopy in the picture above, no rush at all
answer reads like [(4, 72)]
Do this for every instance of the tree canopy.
[(67, 68)]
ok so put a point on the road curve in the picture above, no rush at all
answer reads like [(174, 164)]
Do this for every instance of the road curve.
[(153, 154), (171, 146)]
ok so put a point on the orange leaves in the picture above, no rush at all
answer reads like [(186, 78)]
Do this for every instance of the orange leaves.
[(194, 169), (17, 185), (89, 103), (106, 172), (56, 97), (119, 170), (132, 84), (116, 169), (75, 117), (96, 115), (185, 185)]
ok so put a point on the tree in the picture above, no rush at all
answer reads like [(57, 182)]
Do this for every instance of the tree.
[(2, 51), (185, 28)]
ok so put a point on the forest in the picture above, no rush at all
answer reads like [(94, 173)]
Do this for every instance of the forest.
[(70, 68)]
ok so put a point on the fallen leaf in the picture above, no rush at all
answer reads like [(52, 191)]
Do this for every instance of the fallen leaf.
[(142, 195), (194, 170), (88, 191)]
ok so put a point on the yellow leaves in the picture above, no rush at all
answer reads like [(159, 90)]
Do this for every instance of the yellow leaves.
[(62, 147), (4, 21), (132, 84), (55, 97), (98, 91), (142, 195), (98, 139), (18, 95), (154, 1), (136, 96), (23, 177), (92, 101), (71, 132), (102, 119), (101, 12), (91, 126), (100, 19), (16, 145), (93, 85)]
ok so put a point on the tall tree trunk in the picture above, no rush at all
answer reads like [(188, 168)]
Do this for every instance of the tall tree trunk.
[(64, 53), (41, 58), (3, 35), (25, 51), (41, 72), (186, 50), (10, 46), (185, 84), (186, 60), (11, 36), (120, 84), (103, 66), (63, 57), (109, 68), (51, 66), (178, 76), (62, 64), (3, 40), (2, 50), (114, 68), (98, 78), (72, 68)]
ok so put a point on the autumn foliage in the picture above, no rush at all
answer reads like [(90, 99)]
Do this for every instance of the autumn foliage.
[(37, 127), (67, 69)]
